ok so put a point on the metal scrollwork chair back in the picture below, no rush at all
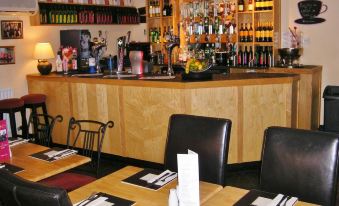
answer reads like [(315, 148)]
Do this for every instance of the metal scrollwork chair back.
[(88, 138), (42, 130)]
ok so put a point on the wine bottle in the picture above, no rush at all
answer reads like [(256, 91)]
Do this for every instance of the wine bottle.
[(246, 37), (245, 57), (164, 9), (240, 55), (250, 33), (250, 57), (241, 5), (257, 33), (250, 5), (241, 33), (258, 5)]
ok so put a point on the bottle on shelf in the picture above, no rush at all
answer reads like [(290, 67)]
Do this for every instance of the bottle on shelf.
[(74, 59), (240, 56), (58, 62), (258, 5), (250, 33), (250, 5), (241, 5)]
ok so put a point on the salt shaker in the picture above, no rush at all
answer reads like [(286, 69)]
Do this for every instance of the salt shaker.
[(173, 198)]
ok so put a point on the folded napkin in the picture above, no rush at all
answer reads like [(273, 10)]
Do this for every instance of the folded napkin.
[(162, 178), (17, 141), (279, 200), (60, 154), (95, 201)]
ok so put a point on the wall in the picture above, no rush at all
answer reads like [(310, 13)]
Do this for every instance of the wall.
[(320, 46), (14, 75)]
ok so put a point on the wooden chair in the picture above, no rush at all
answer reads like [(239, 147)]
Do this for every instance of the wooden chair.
[(88, 139), (42, 130), (207, 136), (300, 163)]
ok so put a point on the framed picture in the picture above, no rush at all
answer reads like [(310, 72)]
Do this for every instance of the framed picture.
[(7, 55), (11, 29)]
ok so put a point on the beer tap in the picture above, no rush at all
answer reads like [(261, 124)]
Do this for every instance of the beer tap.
[(172, 42)]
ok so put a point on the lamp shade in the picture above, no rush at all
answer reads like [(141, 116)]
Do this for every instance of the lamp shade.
[(43, 51)]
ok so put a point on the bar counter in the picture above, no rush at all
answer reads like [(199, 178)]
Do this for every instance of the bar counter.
[(141, 109)]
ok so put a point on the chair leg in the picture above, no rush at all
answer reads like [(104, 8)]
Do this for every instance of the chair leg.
[(44, 110), (24, 126), (1, 116), (13, 124)]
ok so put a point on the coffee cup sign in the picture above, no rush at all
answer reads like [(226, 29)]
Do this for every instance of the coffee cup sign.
[(309, 10)]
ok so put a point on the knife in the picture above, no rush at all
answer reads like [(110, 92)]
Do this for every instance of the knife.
[(159, 178), (165, 178)]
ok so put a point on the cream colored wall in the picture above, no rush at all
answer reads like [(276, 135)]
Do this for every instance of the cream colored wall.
[(14, 76), (321, 45)]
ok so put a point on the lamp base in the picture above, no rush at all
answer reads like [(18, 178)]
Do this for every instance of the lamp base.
[(44, 67)]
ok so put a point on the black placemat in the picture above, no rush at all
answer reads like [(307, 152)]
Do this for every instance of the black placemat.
[(135, 179), (12, 168), (252, 195), (41, 155), (117, 201)]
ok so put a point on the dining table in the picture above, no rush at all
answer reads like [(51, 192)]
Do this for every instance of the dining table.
[(112, 184), (36, 169), (230, 195)]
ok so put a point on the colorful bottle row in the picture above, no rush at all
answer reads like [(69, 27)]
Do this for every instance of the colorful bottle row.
[(264, 32), (95, 2), (259, 5), (154, 9), (246, 32), (262, 57), (70, 14)]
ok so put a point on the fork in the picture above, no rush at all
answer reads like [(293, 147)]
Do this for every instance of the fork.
[(89, 198)]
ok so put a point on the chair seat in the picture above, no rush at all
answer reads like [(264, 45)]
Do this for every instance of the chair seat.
[(34, 98), (11, 103), (68, 180)]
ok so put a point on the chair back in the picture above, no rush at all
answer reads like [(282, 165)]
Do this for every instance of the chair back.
[(207, 136), (88, 137), (300, 163), (16, 191), (42, 130)]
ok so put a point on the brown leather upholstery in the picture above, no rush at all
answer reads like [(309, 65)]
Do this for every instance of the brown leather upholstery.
[(34, 98), (300, 163), (16, 191), (207, 136), (11, 103)]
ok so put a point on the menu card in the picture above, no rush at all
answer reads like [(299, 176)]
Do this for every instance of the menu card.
[(188, 179), (4, 146)]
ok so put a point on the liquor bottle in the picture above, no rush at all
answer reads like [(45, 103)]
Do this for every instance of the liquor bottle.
[(267, 33), (262, 33), (150, 9), (270, 36), (74, 59), (250, 33), (58, 62), (164, 9), (250, 5), (241, 33), (257, 33), (240, 55), (245, 57), (250, 57), (246, 33), (241, 5), (258, 5)]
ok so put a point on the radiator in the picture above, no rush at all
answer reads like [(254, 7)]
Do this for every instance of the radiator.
[(5, 94)]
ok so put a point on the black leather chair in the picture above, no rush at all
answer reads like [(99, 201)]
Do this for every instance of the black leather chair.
[(15, 191), (207, 136), (300, 163)]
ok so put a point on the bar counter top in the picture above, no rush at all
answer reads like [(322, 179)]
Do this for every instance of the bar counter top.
[(231, 79)]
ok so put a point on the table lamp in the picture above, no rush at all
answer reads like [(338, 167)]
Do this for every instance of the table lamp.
[(43, 52)]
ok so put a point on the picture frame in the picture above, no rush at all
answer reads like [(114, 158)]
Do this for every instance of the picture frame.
[(7, 55), (12, 29)]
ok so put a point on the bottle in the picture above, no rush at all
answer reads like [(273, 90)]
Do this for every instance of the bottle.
[(241, 33), (270, 5), (241, 5), (164, 9), (250, 5), (250, 57), (150, 9), (258, 5), (240, 55), (245, 57), (267, 33), (74, 59), (262, 33), (257, 33), (246, 37), (270, 35), (250, 33), (58, 64)]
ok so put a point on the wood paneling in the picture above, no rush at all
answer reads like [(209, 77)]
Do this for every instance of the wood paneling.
[(141, 113)]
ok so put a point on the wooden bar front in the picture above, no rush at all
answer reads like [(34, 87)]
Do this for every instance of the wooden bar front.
[(141, 109)]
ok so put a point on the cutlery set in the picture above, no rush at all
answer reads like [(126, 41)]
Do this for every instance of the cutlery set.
[(162, 178), (61, 154)]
